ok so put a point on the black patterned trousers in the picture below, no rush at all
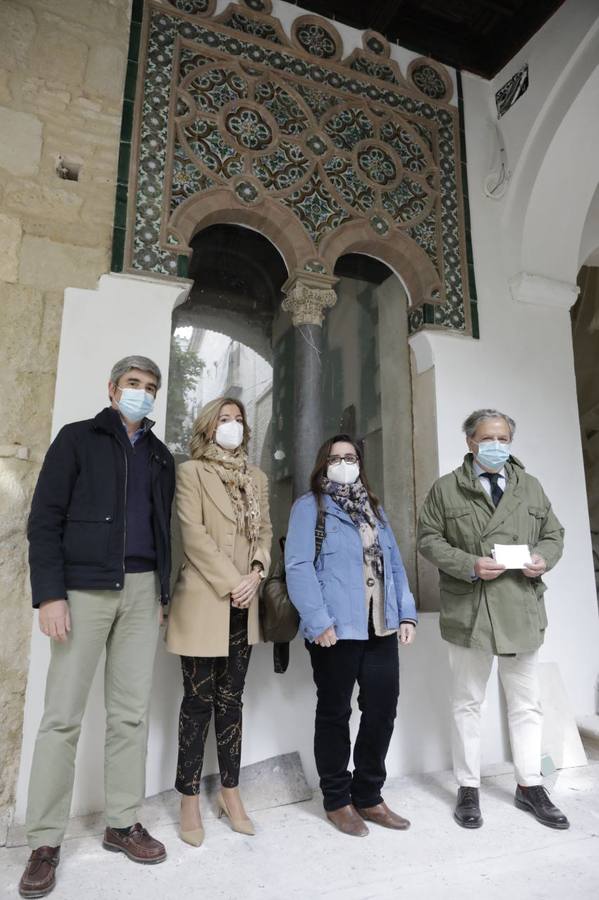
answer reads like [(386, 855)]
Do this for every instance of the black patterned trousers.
[(213, 682)]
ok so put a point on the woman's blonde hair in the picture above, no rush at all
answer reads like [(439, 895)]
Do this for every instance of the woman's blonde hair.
[(206, 422)]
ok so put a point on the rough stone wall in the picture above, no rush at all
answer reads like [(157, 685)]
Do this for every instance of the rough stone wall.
[(62, 70)]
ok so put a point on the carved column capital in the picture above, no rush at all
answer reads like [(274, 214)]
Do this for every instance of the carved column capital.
[(307, 295)]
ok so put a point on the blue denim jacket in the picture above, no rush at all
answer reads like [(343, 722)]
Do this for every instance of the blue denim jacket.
[(332, 592)]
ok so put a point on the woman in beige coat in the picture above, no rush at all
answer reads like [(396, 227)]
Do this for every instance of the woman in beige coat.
[(222, 503)]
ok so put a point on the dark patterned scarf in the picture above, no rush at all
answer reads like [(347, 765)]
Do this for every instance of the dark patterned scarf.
[(353, 499)]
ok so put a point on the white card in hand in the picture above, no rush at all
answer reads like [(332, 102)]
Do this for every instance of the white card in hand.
[(512, 556)]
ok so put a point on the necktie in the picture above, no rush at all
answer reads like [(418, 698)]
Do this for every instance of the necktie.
[(496, 492)]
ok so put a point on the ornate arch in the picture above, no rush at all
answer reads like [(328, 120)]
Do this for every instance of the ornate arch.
[(218, 207), (407, 260), (236, 122)]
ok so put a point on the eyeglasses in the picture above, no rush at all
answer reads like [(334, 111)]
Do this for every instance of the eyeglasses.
[(349, 458)]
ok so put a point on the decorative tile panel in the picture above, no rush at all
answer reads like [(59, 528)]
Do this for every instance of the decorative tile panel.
[(231, 104)]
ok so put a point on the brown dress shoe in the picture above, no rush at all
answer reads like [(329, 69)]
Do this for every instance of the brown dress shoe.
[(137, 844), (382, 815), (348, 821), (39, 876)]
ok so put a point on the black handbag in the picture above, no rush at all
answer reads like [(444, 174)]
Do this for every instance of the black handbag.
[(278, 616)]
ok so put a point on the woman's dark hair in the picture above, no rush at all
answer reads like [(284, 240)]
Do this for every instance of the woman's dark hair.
[(321, 465)]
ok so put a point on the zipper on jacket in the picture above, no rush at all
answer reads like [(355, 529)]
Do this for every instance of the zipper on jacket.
[(124, 509)]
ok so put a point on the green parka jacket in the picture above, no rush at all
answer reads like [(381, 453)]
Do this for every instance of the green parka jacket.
[(458, 523)]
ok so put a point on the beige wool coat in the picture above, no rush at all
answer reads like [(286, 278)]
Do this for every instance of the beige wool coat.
[(198, 621)]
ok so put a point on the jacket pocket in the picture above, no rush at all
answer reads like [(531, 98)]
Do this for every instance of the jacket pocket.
[(85, 539), (457, 605), (458, 527), (536, 515)]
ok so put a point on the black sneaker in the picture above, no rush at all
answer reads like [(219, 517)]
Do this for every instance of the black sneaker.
[(467, 811), (536, 800)]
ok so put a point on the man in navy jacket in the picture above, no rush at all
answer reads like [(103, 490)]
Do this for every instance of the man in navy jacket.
[(99, 535)]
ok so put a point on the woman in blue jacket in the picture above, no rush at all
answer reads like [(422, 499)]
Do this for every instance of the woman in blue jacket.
[(353, 599)]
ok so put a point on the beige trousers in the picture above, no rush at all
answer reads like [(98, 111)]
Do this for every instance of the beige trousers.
[(126, 623), (470, 669)]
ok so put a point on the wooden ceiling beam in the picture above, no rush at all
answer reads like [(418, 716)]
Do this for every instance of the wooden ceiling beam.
[(382, 14)]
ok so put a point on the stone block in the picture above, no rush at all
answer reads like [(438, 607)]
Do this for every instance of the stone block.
[(105, 73), (17, 33), (41, 202), (26, 421), (58, 57), (50, 333), (42, 99), (561, 740), (20, 329), (97, 234), (588, 727), (10, 241), (111, 15), (5, 91), (71, 10), (51, 265), (21, 154)]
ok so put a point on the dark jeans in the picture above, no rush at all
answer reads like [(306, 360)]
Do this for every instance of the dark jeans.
[(213, 682), (374, 664)]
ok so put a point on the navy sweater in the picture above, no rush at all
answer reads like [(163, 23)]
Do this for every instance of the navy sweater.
[(140, 546)]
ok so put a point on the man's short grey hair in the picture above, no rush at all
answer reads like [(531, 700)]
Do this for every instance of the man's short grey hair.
[(135, 362), (481, 415)]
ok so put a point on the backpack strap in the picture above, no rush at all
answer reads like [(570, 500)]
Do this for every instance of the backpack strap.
[(319, 531)]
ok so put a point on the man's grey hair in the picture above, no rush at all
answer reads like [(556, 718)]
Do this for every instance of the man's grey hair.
[(134, 362), (481, 415)]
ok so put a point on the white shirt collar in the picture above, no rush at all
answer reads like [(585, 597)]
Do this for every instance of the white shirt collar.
[(478, 470)]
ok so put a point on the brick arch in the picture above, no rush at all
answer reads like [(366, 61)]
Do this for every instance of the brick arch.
[(271, 219), (406, 259)]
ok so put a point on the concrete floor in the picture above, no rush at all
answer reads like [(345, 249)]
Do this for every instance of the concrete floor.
[(297, 854)]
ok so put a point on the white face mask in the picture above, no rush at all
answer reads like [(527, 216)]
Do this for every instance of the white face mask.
[(344, 473), (229, 435)]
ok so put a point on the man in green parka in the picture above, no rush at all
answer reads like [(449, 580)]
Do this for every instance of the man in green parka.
[(489, 610)]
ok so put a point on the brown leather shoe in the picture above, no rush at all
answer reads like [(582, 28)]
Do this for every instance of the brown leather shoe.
[(348, 821), (39, 876), (382, 815), (137, 844)]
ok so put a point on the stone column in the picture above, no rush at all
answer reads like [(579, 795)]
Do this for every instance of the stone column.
[(307, 295)]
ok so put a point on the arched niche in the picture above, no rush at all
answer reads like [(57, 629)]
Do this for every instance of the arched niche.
[(270, 219), (557, 173), (371, 389), (401, 254), (227, 322)]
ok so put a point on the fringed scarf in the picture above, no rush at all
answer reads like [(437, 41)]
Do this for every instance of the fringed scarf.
[(232, 468), (353, 499)]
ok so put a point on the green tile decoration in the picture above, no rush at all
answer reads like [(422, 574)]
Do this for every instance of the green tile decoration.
[(130, 79), (335, 144), (127, 120), (120, 212), (182, 265), (118, 250), (122, 176), (466, 201)]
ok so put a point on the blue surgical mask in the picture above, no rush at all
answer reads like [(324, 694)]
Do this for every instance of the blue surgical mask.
[(135, 404), (493, 454)]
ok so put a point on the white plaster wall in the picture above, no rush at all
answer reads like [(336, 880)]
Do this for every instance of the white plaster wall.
[(561, 57)]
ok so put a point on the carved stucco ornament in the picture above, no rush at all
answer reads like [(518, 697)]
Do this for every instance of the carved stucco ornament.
[(307, 296)]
